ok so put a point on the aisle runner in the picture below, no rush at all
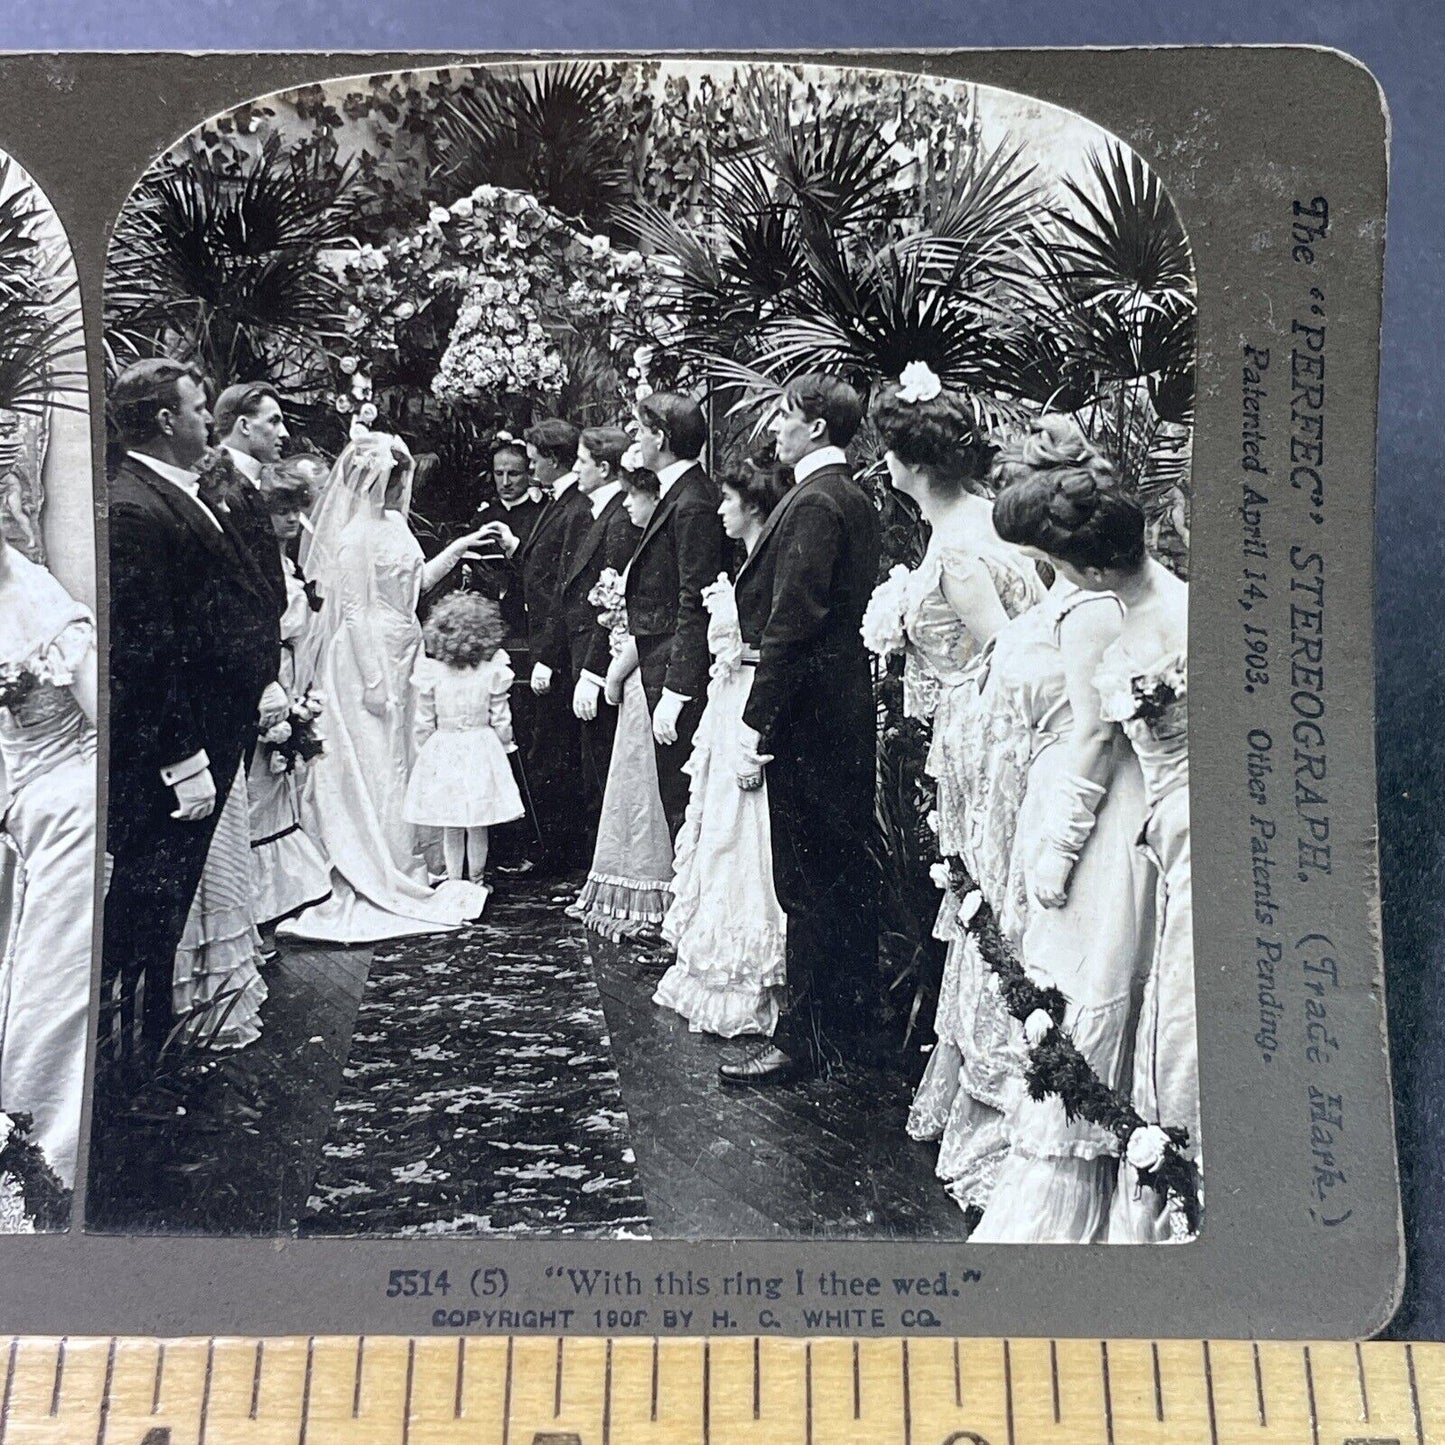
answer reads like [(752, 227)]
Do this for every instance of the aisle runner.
[(480, 1094)]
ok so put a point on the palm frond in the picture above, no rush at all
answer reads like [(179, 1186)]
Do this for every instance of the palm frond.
[(42, 339), (1130, 239), (552, 132)]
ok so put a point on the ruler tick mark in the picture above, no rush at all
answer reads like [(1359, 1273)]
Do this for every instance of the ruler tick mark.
[(654, 1377), (1414, 1395), (59, 1378), (907, 1399), (557, 1381), (9, 1388), (160, 1375), (706, 1393), (105, 1392), (1108, 1391), (462, 1374), (306, 1389), (1053, 1374), (1360, 1376), (808, 1392), (757, 1377), (256, 1381), (206, 1391), (957, 1378), (1209, 1396), (507, 1397), (1259, 1389), (1158, 1382), (607, 1398), (1008, 1391), (406, 1405), (857, 1386), (356, 1378), (1310, 1389)]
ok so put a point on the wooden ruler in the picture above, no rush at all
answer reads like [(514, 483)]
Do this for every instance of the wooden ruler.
[(540, 1390)]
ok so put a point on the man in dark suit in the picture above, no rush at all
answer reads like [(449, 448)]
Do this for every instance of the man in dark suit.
[(810, 719), (552, 763), (578, 642), (250, 426), (194, 639), (681, 551), (514, 500)]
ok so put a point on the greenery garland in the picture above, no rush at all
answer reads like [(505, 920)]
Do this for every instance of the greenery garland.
[(47, 1200), (1057, 1067)]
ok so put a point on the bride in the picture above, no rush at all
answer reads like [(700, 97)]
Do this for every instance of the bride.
[(370, 572)]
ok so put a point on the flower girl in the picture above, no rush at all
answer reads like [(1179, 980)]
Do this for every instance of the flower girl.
[(461, 781)]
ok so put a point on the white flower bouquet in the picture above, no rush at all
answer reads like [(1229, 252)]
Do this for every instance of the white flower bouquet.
[(882, 630)]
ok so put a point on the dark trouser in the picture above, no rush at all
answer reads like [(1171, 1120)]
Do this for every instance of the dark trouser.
[(673, 785), (820, 808), (555, 773), (158, 863)]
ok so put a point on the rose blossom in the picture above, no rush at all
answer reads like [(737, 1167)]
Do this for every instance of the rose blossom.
[(1147, 1147)]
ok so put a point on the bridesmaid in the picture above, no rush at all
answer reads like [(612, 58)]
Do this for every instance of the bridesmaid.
[(725, 920), (629, 885), (288, 870), (1083, 924), (1094, 533), (47, 761), (966, 589)]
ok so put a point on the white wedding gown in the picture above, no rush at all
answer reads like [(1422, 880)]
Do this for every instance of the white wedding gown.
[(355, 793)]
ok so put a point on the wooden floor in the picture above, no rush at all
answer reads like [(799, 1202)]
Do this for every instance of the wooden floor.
[(238, 1151), (827, 1158)]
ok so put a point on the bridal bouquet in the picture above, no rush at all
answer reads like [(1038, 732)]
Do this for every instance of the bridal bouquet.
[(609, 597), (295, 740), (1142, 696), (17, 682), (883, 630)]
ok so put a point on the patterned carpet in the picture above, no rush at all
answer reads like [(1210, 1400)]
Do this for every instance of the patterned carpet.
[(480, 1094)]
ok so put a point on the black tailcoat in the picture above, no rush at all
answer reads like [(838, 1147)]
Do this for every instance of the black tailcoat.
[(801, 595)]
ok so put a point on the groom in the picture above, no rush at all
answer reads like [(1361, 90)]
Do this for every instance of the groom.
[(810, 720)]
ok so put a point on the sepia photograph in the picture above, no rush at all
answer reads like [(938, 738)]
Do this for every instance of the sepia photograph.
[(48, 709), (648, 667)]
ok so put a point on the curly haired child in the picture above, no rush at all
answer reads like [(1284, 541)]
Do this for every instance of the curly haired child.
[(462, 782)]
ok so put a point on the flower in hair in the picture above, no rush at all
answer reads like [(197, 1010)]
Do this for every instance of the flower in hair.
[(918, 382), (632, 458)]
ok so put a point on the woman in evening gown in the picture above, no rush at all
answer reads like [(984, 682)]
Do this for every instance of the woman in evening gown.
[(967, 588), (48, 768), (629, 885), (1086, 926), (366, 642), (1094, 532), (725, 920), (288, 871)]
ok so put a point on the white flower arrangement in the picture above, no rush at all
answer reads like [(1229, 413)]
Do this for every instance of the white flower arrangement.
[(882, 630), (1147, 1147), (939, 875), (1037, 1027)]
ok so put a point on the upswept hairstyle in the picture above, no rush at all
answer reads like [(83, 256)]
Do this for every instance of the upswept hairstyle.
[(1061, 495), (938, 436), (679, 419), (831, 398), (245, 398), (555, 439), (642, 480), (292, 483), (760, 486), (143, 391), (464, 629), (606, 444)]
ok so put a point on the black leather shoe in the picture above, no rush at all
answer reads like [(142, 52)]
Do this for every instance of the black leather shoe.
[(762, 1067)]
